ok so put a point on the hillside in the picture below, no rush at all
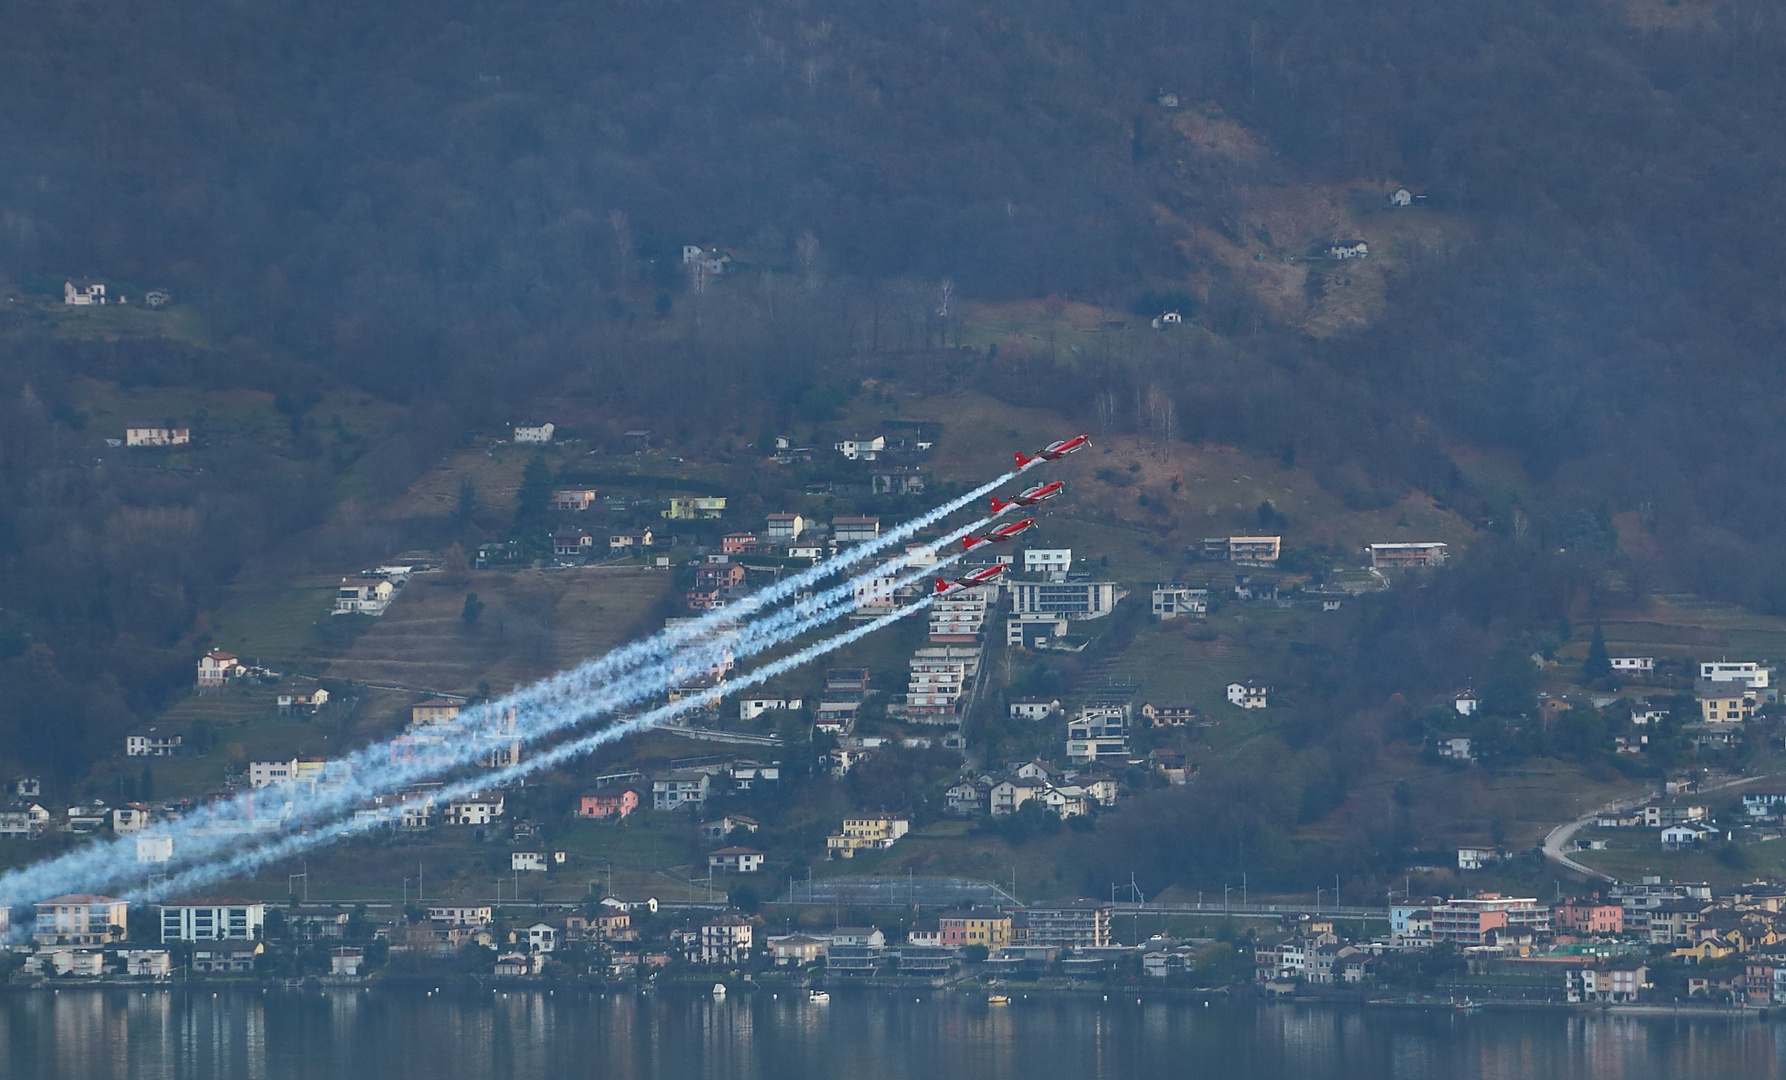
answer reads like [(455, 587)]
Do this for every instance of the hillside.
[(389, 234)]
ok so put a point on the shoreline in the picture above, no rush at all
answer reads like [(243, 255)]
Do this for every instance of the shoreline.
[(699, 986)]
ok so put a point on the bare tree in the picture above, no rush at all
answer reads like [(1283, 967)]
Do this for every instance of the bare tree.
[(623, 242), (806, 252)]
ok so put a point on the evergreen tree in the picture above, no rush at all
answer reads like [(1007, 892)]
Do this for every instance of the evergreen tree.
[(1598, 666), (533, 497)]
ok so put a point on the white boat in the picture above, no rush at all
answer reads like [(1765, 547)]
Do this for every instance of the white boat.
[(719, 989), (818, 997)]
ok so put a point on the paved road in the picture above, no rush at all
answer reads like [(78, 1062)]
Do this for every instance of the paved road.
[(1555, 843)]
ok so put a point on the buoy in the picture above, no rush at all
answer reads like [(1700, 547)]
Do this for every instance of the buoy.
[(1106, 997)]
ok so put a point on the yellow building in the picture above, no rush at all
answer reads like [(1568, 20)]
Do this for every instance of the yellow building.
[(865, 833), (433, 711), (1727, 703), (989, 928)]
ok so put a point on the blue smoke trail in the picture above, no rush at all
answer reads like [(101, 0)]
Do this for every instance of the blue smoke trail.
[(298, 842), (217, 827)]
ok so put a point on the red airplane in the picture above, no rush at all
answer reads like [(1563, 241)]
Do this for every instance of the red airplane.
[(998, 535), (1054, 451), (1029, 496), (967, 581)]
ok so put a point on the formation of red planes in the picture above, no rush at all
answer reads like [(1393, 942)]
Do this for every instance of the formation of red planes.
[(1030, 496)]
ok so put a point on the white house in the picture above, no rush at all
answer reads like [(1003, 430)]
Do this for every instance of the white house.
[(1401, 197), (1047, 560), (1465, 703), (1179, 601), (152, 743), (542, 938), (1455, 747), (752, 707), (1472, 858), (530, 433), (157, 436), (528, 860), (1640, 666), (863, 449), (1248, 695), (1749, 673), (363, 597), (1170, 318), (83, 294), (154, 849), (1342, 250), (1685, 835), (735, 860), (1034, 708), (477, 808), (129, 818)]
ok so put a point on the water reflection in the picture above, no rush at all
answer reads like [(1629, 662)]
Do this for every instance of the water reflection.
[(355, 1034)]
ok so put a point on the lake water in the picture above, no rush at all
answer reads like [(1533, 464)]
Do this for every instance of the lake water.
[(866, 1035)]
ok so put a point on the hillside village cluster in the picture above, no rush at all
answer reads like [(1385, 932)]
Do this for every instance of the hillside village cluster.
[(1608, 947)]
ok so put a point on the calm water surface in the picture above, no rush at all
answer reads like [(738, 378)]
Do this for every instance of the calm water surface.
[(396, 1035)]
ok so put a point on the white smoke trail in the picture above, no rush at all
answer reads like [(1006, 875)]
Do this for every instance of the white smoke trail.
[(214, 828), (295, 843)]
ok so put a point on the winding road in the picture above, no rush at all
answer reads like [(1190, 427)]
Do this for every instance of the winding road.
[(1559, 837)]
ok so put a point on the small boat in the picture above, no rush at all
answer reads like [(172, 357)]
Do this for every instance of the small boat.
[(998, 999), (719, 989), (818, 997)]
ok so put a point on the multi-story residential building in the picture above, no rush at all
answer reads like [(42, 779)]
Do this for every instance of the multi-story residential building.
[(1726, 702), (1672, 922), (364, 597), (1180, 601), (871, 833), (695, 509), (1662, 815), (1593, 917), (575, 499), (1076, 924), (1254, 550), (213, 918), (476, 808), (785, 527), (725, 940), (297, 771), (991, 929), (1747, 672), (1070, 599), (1612, 983), (1466, 921), (1635, 666), (1249, 694), (608, 804), (80, 919), (218, 667), (855, 530), (1055, 562), (155, 742), (1403, 556), (735, 860), (679, 788)]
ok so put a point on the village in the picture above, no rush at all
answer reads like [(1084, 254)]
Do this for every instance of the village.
[(748, 890)]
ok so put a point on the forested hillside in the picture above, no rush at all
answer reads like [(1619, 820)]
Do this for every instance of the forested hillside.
[(462, 207)]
